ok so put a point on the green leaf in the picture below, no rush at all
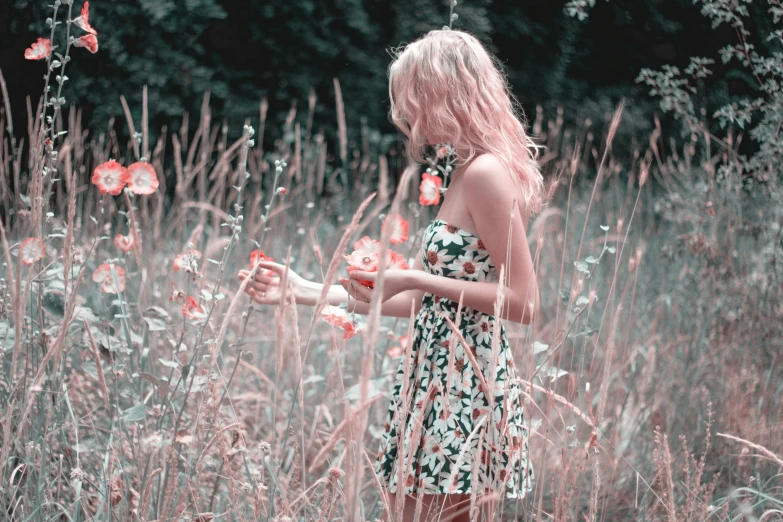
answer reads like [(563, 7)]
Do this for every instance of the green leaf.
[(135, 413), (156, 318), (539, 347), (170, 364), (553, 372)]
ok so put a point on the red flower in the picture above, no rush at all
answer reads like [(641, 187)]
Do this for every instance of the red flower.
[(191, 309), (90, 41), (258, 255), (143, 180), (430, 189), (124, 243), (102, 275), (39, 50), (84, 20), (397, 351), (31, 250), (398, 261), (399, 228), (110, 177)]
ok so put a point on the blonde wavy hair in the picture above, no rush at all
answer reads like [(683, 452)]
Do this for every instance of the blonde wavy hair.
[(447, 84)]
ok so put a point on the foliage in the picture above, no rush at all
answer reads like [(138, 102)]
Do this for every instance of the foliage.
[(285, 49)]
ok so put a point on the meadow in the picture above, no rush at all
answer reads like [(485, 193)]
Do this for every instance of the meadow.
[(139, 382)]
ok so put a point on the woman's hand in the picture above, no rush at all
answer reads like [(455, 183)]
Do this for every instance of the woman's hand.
[(265, 289), (395, 281)]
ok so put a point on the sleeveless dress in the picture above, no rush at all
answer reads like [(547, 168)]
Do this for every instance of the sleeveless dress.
[(443, 434)]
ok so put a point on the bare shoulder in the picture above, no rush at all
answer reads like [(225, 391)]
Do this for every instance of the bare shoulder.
[(487, 174), (492, 186)]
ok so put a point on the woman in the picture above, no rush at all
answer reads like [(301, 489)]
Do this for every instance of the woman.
[(446, 88)]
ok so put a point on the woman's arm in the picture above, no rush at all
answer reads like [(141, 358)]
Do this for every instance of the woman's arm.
[(500, 220), (397, 306), (265, 289)]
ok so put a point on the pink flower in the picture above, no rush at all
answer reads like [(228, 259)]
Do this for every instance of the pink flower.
[(103, 276), (84, 20), (367, 246), (442, 151), (32, 249), (191, 309), (187, 261), (124, 243), (365, 257), (338, 317), (430, 190), (39, 50), (90, 41), (143, 180), (110, 177), (399, 228)]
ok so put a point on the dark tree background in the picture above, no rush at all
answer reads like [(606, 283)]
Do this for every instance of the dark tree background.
[(242, 50)]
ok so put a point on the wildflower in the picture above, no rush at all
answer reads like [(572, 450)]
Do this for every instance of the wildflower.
[(399, 228), (110, 177), (103, 275), (177, 296), (90, 41), (281, 190), (191, 309), (430, 190), (84, 20), (397, 351), (39, 50), (398, 261), (338, 317), (187, 261), (116, 491), (365, 255), (124, 243), (335, 473), (32, 249), (258, 255), (142, 178)]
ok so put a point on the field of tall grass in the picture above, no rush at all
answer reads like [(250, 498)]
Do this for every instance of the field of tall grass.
[(139, 382)]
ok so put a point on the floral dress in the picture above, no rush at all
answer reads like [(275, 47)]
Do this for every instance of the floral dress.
[(444, 433)]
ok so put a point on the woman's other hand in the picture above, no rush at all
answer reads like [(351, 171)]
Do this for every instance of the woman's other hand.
[(265, 289), (395, 281)]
